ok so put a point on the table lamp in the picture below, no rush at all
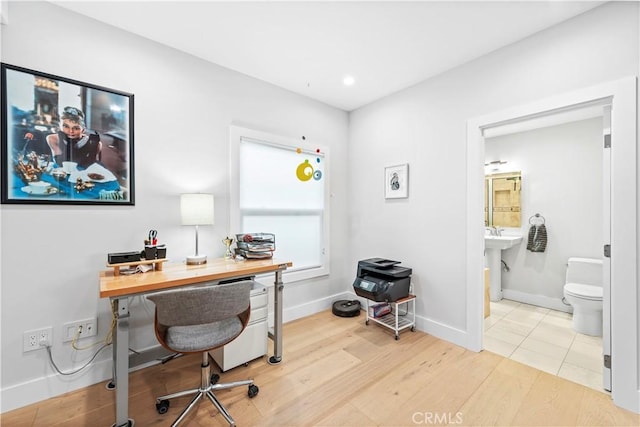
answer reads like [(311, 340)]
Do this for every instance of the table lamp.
[(196, 209)]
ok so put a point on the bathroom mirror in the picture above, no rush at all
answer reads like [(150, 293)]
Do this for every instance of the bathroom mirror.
[(502, 199)]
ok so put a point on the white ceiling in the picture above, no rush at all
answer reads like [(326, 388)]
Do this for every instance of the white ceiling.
[(309, 47)]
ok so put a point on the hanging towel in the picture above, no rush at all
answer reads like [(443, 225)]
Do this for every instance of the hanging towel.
[(537, 241)]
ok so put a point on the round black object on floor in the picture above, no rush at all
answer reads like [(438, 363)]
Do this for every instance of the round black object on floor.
[(346, 308)]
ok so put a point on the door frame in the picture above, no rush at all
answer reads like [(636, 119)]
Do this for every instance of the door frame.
[(621, 94)]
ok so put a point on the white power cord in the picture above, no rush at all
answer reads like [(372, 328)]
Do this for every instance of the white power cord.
[(53, 363), (108, 339)]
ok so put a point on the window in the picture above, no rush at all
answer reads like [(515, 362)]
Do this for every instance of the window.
[(279, 186)]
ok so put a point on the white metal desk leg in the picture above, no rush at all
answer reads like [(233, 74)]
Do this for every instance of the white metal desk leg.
[(121, 362), (277, 315), (413, 328), (396, 324)]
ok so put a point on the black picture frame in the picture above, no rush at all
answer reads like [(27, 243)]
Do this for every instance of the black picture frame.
[(64, 141)]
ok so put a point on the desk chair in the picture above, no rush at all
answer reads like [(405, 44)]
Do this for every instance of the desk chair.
[(196, 320)]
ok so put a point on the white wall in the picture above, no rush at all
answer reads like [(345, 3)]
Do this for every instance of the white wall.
[(426, 126), (51, 255), (562, 180)]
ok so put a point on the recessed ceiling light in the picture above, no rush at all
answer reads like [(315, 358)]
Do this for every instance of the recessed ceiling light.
[(348, 81)]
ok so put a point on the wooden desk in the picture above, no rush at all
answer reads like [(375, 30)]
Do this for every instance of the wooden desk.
[(119, 288)]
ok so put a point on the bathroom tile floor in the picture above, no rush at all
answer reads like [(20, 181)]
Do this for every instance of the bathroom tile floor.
[(544, 339)]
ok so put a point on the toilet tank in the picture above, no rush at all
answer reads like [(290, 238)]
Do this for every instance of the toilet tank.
[(587, 271)]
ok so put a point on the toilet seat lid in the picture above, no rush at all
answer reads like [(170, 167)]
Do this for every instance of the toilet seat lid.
[(580, 290)]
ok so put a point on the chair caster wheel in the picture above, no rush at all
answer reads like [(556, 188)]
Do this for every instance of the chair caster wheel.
[(162, 407), (253, 390), (130, 423), (214, 378)]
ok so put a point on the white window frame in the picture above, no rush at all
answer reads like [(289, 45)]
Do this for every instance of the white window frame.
[(236, 133)]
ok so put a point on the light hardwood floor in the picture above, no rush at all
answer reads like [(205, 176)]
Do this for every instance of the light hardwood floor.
[(339, 372)]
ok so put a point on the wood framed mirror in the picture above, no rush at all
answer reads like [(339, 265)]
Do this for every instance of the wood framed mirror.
[(502, 199)]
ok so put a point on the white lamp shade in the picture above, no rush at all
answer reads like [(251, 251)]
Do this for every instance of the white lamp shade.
[(196, 209)]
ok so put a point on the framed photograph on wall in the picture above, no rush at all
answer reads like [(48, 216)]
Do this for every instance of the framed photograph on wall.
[(64, 141), (396, 181)]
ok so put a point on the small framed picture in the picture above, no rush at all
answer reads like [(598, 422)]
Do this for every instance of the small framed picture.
[(396, 181)]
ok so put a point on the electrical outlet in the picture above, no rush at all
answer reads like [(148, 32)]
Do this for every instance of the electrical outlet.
[(80, 329), (37, 338)]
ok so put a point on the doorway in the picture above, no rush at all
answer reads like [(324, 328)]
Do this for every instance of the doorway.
[(560, 162), (624, 293)]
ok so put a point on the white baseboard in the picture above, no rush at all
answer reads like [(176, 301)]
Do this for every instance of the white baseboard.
[(443, 332), (54, 384), (38, 389), (43, 388), (309, 308), (432, 327), (537, 300)]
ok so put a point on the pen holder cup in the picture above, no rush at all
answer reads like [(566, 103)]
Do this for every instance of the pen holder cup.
[(161, 253), (151, 252)]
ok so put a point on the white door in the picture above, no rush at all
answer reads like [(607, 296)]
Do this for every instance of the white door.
[(606, 237)]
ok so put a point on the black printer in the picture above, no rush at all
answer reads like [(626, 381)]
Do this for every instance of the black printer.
[(382, 279)]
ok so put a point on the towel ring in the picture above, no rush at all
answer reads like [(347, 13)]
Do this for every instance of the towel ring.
[(536, 217)]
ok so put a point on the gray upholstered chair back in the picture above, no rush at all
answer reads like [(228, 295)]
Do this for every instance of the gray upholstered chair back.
[(197, 320), (202, 304)]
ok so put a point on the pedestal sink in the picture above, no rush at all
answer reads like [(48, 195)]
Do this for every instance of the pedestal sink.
[(493, 247)]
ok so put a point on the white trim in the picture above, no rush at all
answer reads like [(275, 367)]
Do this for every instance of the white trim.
[(537, 300), (236, 133), (624, 233), (44, 387), (424, 324), (606, 239), (429, 326), (310, 307)]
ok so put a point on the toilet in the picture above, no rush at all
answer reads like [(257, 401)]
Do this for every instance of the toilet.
[(583, 290)]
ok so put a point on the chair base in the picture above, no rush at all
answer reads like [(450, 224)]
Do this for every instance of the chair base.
[(206, 389)]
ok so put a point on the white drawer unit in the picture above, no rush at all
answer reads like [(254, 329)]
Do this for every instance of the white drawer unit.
[(252, 342)]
